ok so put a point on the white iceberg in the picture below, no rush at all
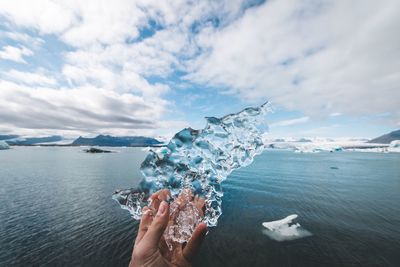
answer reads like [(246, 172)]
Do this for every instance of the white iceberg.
[(4, 145), (285, 229), (395, 144), (320, 144)]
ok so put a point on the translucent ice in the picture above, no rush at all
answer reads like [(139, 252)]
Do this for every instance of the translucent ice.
[(186, 212), (194, 163)]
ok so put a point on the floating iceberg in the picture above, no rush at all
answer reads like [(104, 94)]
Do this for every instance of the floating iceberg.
[(285, 229), (395, 144), (4, 145), (316, 145), (199, 160)]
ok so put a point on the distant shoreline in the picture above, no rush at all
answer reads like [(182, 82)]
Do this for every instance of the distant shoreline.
[(71, 145)]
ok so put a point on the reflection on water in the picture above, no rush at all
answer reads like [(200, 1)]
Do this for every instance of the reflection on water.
[(57, 209)]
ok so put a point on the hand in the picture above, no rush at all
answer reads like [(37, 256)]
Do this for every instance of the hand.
[(150, 249)]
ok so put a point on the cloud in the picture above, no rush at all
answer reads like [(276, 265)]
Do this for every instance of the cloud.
[(30, 78), (84, 109), (121, 19), (49, 17), (320, 58), (15, 53), (314, 57), (101, 75), (290, 122), (335, 114), (23, 38), (124, 80), (328, 130)]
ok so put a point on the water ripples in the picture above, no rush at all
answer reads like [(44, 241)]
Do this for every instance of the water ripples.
[(56, 210)]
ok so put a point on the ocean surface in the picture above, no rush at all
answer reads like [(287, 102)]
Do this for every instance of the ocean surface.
[(56, 209)]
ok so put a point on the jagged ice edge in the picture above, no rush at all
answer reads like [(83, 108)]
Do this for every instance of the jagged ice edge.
[(200, 160)]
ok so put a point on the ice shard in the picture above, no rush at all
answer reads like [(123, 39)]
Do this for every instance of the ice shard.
[(198, 161)]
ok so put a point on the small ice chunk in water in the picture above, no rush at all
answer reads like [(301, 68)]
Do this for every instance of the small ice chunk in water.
[(279, 223), (285, 229)]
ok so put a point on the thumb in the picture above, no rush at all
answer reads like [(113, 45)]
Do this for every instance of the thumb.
[(158, 225)]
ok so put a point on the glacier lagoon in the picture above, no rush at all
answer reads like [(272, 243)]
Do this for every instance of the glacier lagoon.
[(56, 209)]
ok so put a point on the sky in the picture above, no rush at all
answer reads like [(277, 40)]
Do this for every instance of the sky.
[(144, 67)]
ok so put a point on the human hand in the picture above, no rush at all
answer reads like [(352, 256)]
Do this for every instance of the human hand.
[(150, 249)]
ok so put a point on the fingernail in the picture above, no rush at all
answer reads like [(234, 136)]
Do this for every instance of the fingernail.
[(162, 208), (146, 211)]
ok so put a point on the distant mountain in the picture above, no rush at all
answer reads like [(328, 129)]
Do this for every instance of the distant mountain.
[(387, 138), (304, 140), (34, 140), (107, 140), (7, 136)]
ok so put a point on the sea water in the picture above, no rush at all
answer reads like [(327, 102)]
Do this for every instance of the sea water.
[(56, 209)]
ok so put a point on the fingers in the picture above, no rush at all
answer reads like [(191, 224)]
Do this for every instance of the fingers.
[(165, 194), (157, 197), (200, 204), (161, 195), (195, 242), (145, 222), (158, 225)]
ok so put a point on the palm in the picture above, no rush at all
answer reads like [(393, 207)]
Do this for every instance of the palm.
[(150, 247)]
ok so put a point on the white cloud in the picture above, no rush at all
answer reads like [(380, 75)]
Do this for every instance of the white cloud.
[(45, 15), (316, 57), (121, 19), (99, 57), (308, 56), (335, 114), (15, 53), (122, 81), (290, 122), (23, 38), (329, 130), (84, 23), (30, 78)]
